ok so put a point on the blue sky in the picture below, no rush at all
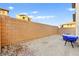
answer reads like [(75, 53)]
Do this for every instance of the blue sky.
[(47, 13)]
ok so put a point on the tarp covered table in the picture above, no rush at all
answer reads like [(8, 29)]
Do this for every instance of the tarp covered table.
[(70, 38)]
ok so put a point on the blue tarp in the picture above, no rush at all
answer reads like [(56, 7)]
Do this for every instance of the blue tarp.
[(70, 38)]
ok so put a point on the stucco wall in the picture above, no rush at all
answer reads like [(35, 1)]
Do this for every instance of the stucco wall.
[(3, 12), (70, 31), (77, 18), (14, 31)]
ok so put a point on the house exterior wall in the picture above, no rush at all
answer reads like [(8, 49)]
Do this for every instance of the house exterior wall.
[(77, 18), (3, 12), (73, 25), (69, 31), (14, 31), (22, 17), (69, 28)]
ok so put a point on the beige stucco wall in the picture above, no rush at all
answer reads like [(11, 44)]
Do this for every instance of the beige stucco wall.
[(2, 12), (77, 18), (69, 31), (21, 17)]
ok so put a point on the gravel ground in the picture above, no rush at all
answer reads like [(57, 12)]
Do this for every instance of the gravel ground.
[(47, 46)]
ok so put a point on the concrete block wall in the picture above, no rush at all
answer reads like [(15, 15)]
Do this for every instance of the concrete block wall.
[(0, 35), (14, 31)]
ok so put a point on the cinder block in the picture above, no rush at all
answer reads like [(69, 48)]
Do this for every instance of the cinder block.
[(15, 31)]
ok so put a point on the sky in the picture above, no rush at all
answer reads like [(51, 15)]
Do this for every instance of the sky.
[(46, 13)]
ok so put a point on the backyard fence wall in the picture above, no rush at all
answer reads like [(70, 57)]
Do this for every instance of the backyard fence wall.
[(0, 36), (15, 31)]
